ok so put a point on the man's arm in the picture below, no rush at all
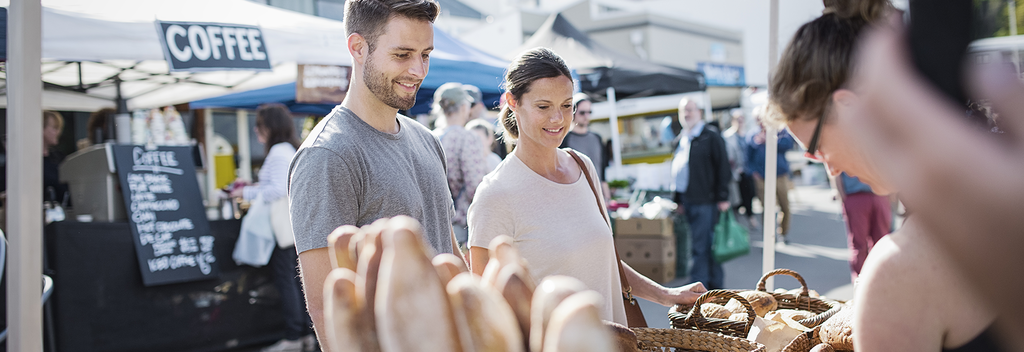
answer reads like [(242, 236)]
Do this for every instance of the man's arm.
[(314, 265)]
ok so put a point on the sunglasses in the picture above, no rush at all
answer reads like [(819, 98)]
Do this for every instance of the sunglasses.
[(812, 148)]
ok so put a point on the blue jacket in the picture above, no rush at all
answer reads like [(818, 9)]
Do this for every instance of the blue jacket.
[(756, 155)]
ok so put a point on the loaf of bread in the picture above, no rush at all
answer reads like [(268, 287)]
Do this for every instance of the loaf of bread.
[(838, 330), (822, 347), (549, 293), (576, 327), (484, 320), (338, 243), (348, 322), (738, 317), (717, 311), (625, 338), (517, 287), (412, 309), (762, 302), (796, 314), (448, 265)]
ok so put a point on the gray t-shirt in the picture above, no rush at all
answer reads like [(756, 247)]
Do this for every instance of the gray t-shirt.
[(348, 173), (589, 144)]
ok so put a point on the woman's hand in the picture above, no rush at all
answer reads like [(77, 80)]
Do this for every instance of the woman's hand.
[(683, 295)]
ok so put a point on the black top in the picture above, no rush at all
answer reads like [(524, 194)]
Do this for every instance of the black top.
[(709, 168), (53, 189), (984, 342)]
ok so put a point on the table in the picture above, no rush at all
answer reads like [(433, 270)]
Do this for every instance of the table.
[(100, 304)]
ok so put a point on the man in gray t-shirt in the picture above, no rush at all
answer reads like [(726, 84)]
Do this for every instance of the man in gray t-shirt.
[(364, 161)]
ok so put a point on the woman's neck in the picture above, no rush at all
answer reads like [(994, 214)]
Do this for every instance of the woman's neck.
[(548, 163)]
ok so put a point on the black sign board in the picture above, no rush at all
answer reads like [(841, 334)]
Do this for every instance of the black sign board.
[(168, 221), (191, 46)]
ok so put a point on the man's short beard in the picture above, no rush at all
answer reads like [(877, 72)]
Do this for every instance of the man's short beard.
[(381, 87)]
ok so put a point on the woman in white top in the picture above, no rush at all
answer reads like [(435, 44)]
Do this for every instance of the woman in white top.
[(276, 130), (539, 196)]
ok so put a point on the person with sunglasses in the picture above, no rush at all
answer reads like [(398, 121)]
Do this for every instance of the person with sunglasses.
[(910, 296), (581, 139)]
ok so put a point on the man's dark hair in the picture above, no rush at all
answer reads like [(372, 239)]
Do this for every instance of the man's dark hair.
[(368, 17)]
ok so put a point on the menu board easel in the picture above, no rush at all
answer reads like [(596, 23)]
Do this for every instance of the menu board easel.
[(165, 210)]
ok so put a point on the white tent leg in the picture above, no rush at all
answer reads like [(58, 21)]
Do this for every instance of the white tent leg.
[(244, 156), (616, 144), (24, 175), (768, 258)]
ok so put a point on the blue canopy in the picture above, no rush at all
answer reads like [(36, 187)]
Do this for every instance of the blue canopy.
[(451, 61)]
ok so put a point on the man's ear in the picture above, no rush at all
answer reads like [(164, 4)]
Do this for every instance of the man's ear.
[(358, 47)]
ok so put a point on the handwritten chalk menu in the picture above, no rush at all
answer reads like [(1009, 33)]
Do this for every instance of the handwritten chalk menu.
[(161, 194)]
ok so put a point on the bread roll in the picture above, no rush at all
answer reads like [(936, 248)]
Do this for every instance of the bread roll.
[(412, 308), (517, 288), (551, 291), (822, 347), (576, 327), (348, 322), (738, 317), (717, 311), (762, 302), (448, 266), (796, 314), (484, 320), (838, 330), (368, 268), (338, 243)]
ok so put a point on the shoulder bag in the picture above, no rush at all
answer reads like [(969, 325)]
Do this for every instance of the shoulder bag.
[(634, 316)]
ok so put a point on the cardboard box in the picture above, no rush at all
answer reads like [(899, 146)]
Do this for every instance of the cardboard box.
[(645, 250), (659, 272), (644, 227)]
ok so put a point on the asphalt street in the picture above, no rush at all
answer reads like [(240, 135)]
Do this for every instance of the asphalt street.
[(817, 250)]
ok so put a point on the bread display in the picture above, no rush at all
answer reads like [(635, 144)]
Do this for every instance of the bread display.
[(838, 330), (762, 302), (398, 299), (796, 314)]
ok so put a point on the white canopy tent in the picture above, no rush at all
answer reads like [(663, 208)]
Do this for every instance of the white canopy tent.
[(89, 45), (109, 49)]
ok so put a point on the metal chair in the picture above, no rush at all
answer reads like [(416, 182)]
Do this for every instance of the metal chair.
[(47, 281)]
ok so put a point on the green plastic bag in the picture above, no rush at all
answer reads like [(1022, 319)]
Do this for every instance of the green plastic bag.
[(731, 240)]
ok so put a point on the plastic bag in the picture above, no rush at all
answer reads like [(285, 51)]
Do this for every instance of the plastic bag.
[(731, 239)]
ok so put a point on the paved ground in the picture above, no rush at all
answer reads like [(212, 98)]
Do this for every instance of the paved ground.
[(817, 250)]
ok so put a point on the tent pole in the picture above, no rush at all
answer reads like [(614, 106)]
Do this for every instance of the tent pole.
[(772, 139), (244, 155), (616, 144), (24, 175), (212, 194)]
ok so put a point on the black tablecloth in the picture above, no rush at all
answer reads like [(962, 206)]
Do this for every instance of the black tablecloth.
[(100, 303)]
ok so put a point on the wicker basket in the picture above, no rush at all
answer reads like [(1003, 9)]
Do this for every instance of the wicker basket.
[(825, 308), (686, 340), (803, 342), (697, 321)]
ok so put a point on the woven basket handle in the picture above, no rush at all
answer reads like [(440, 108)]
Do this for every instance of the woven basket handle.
[(764, 279), (695, 318)]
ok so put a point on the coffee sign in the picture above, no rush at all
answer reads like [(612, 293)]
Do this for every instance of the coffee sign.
[(191, 46), (171, 234)]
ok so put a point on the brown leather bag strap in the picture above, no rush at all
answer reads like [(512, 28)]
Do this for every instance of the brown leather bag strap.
[(627, 291)]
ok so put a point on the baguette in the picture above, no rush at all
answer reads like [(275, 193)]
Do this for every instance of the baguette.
[(551, 291), (485, 321), (576, 327), (517, 288), (412, 309), (448, 266), (338, 243), (348, 322)]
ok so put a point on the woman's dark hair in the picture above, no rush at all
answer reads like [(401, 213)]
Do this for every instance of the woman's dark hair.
[(98, 124), (277, 121), (534, 64), (818, 60)]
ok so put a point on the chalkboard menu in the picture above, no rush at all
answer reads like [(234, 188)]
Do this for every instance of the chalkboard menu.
[(168, 221)]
